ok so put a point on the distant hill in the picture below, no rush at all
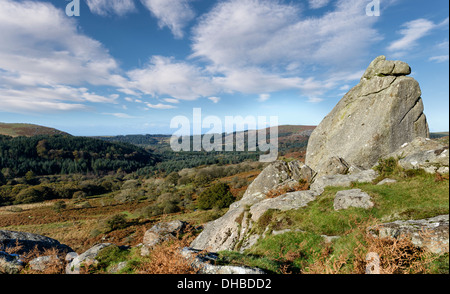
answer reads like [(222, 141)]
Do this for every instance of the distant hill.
[(27, 130), (63, 154), (289, 136)]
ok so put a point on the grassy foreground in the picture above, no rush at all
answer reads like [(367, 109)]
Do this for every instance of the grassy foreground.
[(302, 249)]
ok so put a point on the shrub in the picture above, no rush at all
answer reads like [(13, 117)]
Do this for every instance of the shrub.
[(78, 195), (59, 206), (218, 196), (387, 166), (2, 179), (116, 222), (34, 194), (173, 178)]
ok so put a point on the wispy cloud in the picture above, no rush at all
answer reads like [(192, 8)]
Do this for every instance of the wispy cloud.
[(160, 106), (263, 97), (171, 100), (120, 115), (47, 62), (412, 32), (315, 4), (439, 58), (111, 7), (174, 14), (214, 99), (314, 99)]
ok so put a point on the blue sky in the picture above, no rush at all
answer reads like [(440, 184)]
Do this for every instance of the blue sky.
[(130, 66)]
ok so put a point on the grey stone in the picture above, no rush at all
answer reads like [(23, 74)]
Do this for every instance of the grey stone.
[(375, 118), (28, 242), (329, 239), (382, 67), (10, 263), (42, 262), (159, 233), (70, 256), (365, 176), (423, 153), (204, 262), (289, 201), (352, 198), (386, 181), (232, 229), (335, 165), (431, 234), (118, 267), (88, 257)]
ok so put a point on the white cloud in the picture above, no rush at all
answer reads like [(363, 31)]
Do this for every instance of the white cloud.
[(111, 7), (315, 4), (261, 46), (160, 106), (174, 14), (263, 97), (171, 100), (314, 99), (177, 79), (439, 58), (214, 99), (120, 115), (45, 61), (412, 32), (49, 99), (270, 33)]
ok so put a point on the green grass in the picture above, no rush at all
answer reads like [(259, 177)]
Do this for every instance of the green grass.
[(416, 195)]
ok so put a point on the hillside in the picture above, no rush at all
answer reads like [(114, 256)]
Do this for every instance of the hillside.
[(65, 154), (292, 142), (27, 130)]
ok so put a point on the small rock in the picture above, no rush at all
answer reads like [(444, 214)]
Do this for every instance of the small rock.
[(387, 181), (85, 258), (41, 263), (329, 239), (352, 198), (118, 267), (204, 263), (10, 263), (70, 256), (160, 233)]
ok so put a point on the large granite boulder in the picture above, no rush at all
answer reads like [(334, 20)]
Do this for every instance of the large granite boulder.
[(376, 117), (232, 231)]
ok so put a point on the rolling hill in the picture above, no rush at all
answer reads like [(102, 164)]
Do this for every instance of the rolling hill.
[(27, 130)]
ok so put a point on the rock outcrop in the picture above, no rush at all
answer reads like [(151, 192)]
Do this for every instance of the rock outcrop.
[(376, 117), (204, 262), (25, 242), (159, 233), (232, 231), (431, 234), (422, 153), (86, 258)]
